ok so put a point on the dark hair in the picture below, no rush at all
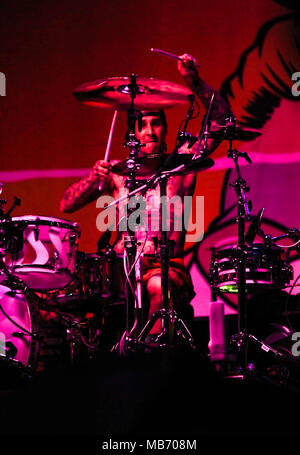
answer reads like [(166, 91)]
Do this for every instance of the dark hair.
[(160, 114)]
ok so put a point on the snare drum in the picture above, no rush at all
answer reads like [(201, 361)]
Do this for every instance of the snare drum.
[(265, 267), (44, 251)]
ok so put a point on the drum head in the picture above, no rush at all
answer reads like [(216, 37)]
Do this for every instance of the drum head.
[(42, 278), (44, 220)]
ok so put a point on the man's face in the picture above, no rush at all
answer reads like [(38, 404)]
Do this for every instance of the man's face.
[(152, 134)]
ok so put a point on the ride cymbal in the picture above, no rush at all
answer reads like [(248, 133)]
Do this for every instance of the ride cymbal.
[(115, 93), (234, 133)]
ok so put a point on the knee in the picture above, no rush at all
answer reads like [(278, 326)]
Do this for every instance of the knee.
[(154, 286)]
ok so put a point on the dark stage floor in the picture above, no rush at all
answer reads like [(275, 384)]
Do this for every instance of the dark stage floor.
[(145, 395)]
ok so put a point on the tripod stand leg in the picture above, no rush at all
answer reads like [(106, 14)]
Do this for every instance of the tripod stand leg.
[(150, 324), (182, 330), (178, 324)]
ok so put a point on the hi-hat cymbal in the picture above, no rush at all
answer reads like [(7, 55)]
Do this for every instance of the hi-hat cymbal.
[(114, 93), (148, 165), (234, 133)]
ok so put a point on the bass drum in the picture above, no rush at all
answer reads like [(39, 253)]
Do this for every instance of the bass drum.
[(18, 330)]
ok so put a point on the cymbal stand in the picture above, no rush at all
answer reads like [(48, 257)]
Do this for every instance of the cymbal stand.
[(242, 338), (166, 314), (6, 242), (133, 299), (243, 212)]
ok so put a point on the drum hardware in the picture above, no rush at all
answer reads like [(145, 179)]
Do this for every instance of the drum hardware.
[(53, 262), (131, 167), (104, 248), (124, 92), (254, 227), (75, 337), (133, 299), (205, 129), (16, 203), (36, 233), (72, 240), (167, 315), (241, 340), (243, 211), (293, 234), (60, 331), (5, 234)]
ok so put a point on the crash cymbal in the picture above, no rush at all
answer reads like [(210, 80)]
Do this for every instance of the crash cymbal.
[(234, 133), (114, 93), (148, 165)]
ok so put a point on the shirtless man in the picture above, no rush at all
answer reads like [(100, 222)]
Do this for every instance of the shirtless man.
[(152, 136)]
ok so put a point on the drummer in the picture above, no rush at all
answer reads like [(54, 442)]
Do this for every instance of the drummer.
[(152, 135)]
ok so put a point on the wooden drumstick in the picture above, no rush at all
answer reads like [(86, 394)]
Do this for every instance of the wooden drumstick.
[(108, 146), (168, 54)]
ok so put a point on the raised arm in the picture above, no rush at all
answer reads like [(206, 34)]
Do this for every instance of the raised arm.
[(221, 109), (86, 190)]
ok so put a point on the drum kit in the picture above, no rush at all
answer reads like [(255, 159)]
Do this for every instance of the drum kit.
[(43, 276)]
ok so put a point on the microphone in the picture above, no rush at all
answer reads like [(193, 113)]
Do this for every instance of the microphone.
[(294, 234), (190, 112), (103, 241), (254, 227), (203, 134), (246, 156), (182, 136), (187, 137)]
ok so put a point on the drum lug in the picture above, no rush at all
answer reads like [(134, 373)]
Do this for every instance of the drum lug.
[(72, 239), (53, 261)]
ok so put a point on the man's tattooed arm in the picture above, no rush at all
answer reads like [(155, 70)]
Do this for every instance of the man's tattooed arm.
[(83, 192), (221, 108)]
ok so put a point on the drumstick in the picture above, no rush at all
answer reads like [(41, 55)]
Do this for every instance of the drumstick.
[(107, 151), (168, 54)]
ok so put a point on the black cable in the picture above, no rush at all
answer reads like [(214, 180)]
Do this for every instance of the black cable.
[(15, 323)]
